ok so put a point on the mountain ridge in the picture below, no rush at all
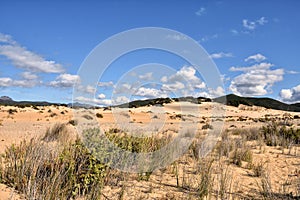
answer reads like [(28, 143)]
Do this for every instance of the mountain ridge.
[(230, 100)]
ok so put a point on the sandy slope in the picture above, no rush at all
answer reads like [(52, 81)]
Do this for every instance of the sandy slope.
[(26, 123)]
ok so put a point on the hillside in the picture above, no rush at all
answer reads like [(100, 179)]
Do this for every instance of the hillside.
[(7, 101), (234, 100)]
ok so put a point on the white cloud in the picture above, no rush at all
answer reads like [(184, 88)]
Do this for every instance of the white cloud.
[(150, 92), (29, 76), (164, 79), (211, 93), (100, 102), (221, 55), (290, 95), (234, 31), (25, 83), (252, 25), (248, 24), (201, 11), (183, 81), (121, 100), (124, 88), (65, 80), (25, 59), (177, 37), (8, 82), (256, 58), (255, 80), (101, 96), (106, 84), (209, 37), (90, 89), (6, 39), (292, 72), (256, 67), (219, 91), (5, 82), (176, 86), (262, 21), (146, 77)]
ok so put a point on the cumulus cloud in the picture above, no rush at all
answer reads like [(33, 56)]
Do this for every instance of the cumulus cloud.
[(65, 81), (29, 76), (124, 88), (5, 82), (256, 58), (93, 101), (150, 92), (290, 95), (201, 11), (255, 80), (252, 25), (25, 59), (106, 85), (185, 80), (101, 96), (211, 92), (28, 80), (221, 55), (8, 82), (146, 77), (120, 100), (174, 86), (4, 38)]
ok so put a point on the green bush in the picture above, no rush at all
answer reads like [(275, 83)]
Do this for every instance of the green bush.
[(39, 172), (274, 135)]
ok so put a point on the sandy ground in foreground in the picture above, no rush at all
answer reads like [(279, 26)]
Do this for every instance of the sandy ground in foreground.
[(25, 123)]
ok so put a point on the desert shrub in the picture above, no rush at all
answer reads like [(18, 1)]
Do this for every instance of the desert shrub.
[(274, 135), (251, 134), (225, 146), (52, 115), (35, 107), (21, 106), (296, 117), (12, 111), (242, 154), (73, 122), (207, 126), (88, 117), (204, 187), (224, 180), (39, 172), (259, 169), (57, 132), (136, 144), (99, 115), (115, 145)]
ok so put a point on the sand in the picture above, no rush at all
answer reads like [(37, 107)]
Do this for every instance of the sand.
[(26, 123)]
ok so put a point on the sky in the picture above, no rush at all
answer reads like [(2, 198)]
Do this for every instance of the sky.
[(45, 45)]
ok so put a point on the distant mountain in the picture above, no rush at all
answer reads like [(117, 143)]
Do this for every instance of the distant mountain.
[(5, 100), (296, 104), (231, 100), (161, 101), (234, 100)]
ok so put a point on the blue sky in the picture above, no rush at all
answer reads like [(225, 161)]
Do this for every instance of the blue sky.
[(254, 44)]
